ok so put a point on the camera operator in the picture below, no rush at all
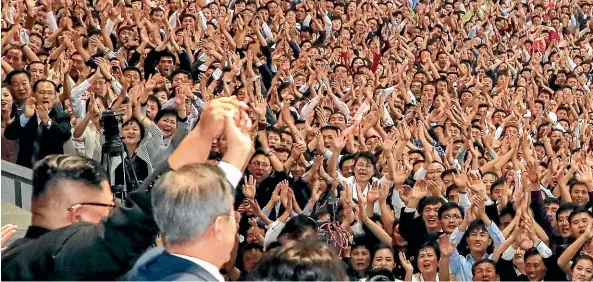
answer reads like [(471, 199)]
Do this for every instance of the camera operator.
[(142, 138), (77, 232)]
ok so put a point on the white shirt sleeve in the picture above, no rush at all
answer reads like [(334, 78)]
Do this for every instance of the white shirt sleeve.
[(51, 21), (78, 107), (420, 174), (508, 254), (202, 20), (273, 232), (308, 108), (233, 174)]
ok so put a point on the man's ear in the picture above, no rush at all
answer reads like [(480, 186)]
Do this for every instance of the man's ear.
[(218, 228), (75, 214)]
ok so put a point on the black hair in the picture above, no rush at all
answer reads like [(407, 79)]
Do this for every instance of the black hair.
[(430, 245), (380, 274), (154, 10), (322, 211), (330, 127), (568, 206), (298, 225), (579, 258), (345, 158), (447, 172), (531, 252), (383, 246), (550, 201), (55, 168), (187, 15), (11, 75), (155, 99), (142, 129), (497, 182), (133, 69), (252, 246), (166, 53), (450, 189), (180, 71), (508, 210), (484, 260), (477, 224), (578, 210), (366, 155), (417, 152), (36, 84), (165, 112), (430, 200), (450, 206), (306, 260)]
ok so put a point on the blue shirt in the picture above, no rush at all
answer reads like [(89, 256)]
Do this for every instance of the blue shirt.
[(461, 266)]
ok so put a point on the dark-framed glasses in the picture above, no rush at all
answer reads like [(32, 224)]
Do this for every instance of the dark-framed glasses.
[(110, 206)]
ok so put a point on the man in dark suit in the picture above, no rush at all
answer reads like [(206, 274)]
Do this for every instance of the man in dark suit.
[(200, 234), (77, 233), (42, 128)]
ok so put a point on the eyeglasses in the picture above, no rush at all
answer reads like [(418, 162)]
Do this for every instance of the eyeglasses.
[(110, 206), (451, 216), (49, 92), (260, 164)]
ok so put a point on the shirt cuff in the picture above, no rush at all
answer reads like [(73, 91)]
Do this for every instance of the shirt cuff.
[(508, 254), (409, 209), (23, 120), (233, 174)]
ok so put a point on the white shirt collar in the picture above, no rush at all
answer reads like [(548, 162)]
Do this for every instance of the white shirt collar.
[(206, 265)]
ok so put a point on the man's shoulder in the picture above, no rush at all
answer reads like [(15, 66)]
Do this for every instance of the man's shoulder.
[(26, 256), (156, 264)]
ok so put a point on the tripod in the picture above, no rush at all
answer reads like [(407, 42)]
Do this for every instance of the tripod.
[(331, 232), (115, 149)]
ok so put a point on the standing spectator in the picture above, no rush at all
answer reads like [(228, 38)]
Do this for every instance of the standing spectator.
[(43, 126), (9, 147)]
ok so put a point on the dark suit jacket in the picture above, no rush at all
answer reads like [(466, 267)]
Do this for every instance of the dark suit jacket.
[(87, 251), (52, 139), (167, 267)]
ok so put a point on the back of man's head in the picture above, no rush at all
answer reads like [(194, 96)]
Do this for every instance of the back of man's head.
[(187, 203), (50, 172), (68, 189)]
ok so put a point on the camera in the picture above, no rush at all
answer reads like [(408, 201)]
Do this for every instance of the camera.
[(111, 122)]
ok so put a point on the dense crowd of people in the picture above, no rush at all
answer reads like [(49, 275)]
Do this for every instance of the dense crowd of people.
[(301, 140)]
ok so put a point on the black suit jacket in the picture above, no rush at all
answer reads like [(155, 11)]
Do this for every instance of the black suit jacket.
[(87, 251), (167, 267), (52, 139)]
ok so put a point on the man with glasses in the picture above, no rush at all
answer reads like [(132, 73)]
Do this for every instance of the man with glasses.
[(260, 167), (42, 128), (77, 234)]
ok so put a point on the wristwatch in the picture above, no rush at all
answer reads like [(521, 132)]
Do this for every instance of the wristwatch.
[(269, 153), (48, 123)]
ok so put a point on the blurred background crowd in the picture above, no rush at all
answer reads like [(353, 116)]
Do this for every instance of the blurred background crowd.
[(414, 140)]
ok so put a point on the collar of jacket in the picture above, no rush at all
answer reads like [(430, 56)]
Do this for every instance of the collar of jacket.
[(34, 232)]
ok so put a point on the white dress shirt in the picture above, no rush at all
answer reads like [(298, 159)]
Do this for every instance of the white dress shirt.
[(205, 265)]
